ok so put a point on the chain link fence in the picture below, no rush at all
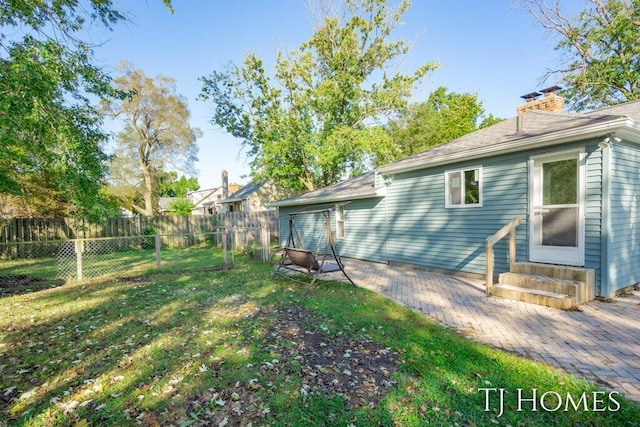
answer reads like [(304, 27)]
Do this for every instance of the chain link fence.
[(81, 259)]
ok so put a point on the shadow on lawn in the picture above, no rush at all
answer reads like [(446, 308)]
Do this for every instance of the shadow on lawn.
[(194, 348), (70, 350)]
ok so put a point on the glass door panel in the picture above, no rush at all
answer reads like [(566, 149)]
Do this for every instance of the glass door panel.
[(556, 210)]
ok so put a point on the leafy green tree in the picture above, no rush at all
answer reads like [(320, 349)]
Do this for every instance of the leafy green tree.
[(156, 134), (180, 207), (600, 50), (443, 117), (50, 135), (170, 186), (314, 119), (489, 121)]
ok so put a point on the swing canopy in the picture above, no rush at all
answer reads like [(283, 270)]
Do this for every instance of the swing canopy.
[(311, 263)]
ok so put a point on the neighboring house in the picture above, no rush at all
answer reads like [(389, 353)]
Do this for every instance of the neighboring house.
[(208, 201), (572, 178), (253, 197)]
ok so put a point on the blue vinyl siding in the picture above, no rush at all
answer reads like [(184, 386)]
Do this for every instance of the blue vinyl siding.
[(310, 230), (411, 224), (624, 240), (423, 232), (364, 224), (365, 230)]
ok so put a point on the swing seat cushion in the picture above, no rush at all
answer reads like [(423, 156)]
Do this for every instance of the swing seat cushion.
[(306, 259), (302, 258)]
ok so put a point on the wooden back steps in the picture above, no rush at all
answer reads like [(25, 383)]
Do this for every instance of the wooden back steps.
[(556, 286)]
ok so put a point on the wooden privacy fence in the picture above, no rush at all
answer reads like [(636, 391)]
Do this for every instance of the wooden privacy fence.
[(48, 229)]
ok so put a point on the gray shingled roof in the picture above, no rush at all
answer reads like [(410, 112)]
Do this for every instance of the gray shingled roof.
[(355, 188), (534, 124), (243, 193)]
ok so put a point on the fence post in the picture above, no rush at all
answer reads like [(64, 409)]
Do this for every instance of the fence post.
[(237, 244), (224, 248), (265, 240), (158, 247), (79, 247)]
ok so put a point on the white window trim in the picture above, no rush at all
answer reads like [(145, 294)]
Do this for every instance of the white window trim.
[(462, 205), (340, 219)]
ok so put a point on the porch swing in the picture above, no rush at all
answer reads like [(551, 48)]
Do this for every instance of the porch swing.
[(310, 263)]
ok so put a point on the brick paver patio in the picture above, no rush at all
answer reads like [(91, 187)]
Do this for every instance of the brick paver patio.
[(600, 343)]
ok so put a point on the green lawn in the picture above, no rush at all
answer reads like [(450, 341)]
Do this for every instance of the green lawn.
[(195, 346)]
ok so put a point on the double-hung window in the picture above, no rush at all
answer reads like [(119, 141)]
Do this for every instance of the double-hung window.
[(463, 188)]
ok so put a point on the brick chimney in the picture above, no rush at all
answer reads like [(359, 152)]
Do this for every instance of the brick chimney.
[(551, 101), (225, 183)]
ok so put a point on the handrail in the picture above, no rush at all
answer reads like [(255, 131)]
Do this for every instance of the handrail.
[(509, 228)]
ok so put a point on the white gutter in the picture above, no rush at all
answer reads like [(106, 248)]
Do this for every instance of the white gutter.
[(623, 127)]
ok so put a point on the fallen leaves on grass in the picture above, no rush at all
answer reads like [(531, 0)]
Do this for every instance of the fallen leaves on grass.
[(354, 367), (324, 363)]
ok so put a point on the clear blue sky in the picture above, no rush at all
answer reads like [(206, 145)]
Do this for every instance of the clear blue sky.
[(490, 47)]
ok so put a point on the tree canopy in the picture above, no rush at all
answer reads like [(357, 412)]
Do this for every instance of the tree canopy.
[(156, 136), (171, 186), (50, 134), (443, 117), (181, 207), (600, 48), (316, 118)]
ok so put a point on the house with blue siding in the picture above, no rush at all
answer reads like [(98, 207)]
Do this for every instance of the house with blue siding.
[(544, 204)]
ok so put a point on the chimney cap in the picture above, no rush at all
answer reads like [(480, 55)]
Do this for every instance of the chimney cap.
[(550, 89), (531, 96)]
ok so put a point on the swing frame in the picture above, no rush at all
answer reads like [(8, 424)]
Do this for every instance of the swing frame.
[(300, 260)]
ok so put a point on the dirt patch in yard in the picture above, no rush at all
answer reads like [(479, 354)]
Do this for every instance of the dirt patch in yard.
[(22, 284), (310, 354), (333, 362)]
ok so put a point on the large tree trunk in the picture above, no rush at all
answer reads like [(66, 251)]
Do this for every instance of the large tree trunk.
[(148, 190), (145, 165)]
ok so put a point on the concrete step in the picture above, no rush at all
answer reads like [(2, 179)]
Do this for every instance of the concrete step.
[(542, 283), (577, 274), (534, 296), (563, 273)]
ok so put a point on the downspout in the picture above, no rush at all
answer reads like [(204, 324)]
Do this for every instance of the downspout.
[(387, 181), (605, 219), (386, 231)]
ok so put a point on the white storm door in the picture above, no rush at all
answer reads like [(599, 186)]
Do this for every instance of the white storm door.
[(557, 208)]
